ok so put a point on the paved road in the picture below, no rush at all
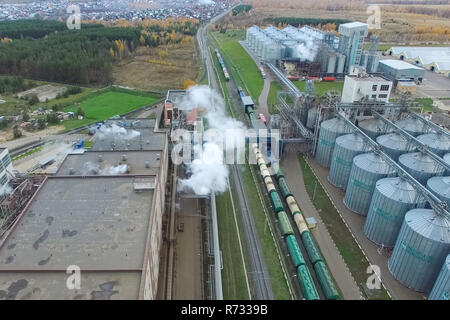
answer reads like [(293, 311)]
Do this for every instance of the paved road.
[(356, 224), (294, 177)]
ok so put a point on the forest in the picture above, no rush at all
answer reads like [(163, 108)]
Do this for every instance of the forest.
[(43, 50)]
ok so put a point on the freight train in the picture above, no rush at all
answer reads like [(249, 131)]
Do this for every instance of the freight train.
[(222, 65), (323, 275)]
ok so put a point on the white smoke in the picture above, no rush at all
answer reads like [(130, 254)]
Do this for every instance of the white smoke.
[(208, 171), (6, 190), (306, 51), (117, 132), (91, 168)]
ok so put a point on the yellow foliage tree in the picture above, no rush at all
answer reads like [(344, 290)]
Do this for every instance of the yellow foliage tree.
[(188, 83), (142, 40)]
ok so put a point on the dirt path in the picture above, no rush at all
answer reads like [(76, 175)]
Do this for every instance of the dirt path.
[(371, 250), (291, 167), (263, 107)]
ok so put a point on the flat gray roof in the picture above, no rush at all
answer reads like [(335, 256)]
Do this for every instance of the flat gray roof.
[(399, 65), (112, 163), (175, 96), (97, 223)]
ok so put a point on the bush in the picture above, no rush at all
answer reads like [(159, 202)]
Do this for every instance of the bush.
[(16, 132), (33, 100)]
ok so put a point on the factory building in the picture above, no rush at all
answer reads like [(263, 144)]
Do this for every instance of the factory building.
[(6, 169), (100, 214), (359, 86), (172, 109), (436, 59), (401, 72), (351, 40)]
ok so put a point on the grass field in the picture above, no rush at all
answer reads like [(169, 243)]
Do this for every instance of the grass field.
[(233, 275), (28, 153), (272, 100), (426, 103), (341, 236), (321, 87), (106, 105), (243, 68)]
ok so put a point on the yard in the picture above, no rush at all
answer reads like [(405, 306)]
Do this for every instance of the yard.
[(106, 105), (321, 87)]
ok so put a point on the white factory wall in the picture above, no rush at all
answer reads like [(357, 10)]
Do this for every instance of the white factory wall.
[(356, 88)]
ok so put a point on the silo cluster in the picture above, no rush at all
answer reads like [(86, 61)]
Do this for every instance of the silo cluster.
[(374, 127), (329, 131), (413, 126), (421, 166), (394, 144), (441, 287)]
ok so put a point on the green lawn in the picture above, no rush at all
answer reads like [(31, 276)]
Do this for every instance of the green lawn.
[(243, 68), (233, 274), (279, 285), (426, 103), (272, 100), (321, 87), (341, 236), (106, 105), (26, 154)]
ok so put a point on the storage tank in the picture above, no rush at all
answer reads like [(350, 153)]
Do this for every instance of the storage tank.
[(441, 288), (436, 142), (366, 170), (421, 248), (394, 144), (374, 127), (312, 118), (331, 63), (341, 63), (440, 187), (447, 159), (413, 126), (329, 131), (392, 198), (421, 166), (346, 148)]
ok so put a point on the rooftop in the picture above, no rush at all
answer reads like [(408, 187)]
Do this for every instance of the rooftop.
[(370, 77), (426, 55), (354, 24), (175, 96), (79, 221), (112, 163), (400, 65)]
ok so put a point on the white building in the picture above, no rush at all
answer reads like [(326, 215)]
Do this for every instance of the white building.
[(6, 169), (363, 86)]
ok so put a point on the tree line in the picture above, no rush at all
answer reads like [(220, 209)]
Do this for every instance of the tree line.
[(305, 21)]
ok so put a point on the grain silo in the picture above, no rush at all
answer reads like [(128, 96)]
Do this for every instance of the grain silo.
[(329, 131), (421, 166), (421, 248), (394, 144), (374, 127), (441, 287), (341, 63), (312, 118), (437, 142), (346, 148), (447, 159), (413, 126), (392, 198), (440, 187), (366, 170)]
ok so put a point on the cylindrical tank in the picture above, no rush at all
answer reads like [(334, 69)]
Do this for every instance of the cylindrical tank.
[(329, 131), (392, 198), (331, 63), (394, 144), (441, 288), (312, 118), (440, 186), (420, 165), (374, 127), (436, 142), (341, 63), (346, 148), (421, 248), (413, 126), (447, 159), (366, 170)]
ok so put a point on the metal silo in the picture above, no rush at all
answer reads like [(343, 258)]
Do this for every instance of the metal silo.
[(440, 186), (374, 127), (331, 67), (392, 198), (436, 142), (413, 126), (447, 159), (366, 170), (341, 63), (420, 165), (420, 249), (346, 148), (441, 288), (312, 118), (394, 144), (329, 131)]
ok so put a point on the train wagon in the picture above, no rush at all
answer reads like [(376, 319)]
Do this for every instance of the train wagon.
[(285, 225), (307, 284), (311, 247), (326, 282)]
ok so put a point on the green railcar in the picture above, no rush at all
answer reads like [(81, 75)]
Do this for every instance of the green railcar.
[(276, 169), (285, 224), (326, 282), (276, 201), (311, 247), (294, 250), (307, 284), (285, 191)]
